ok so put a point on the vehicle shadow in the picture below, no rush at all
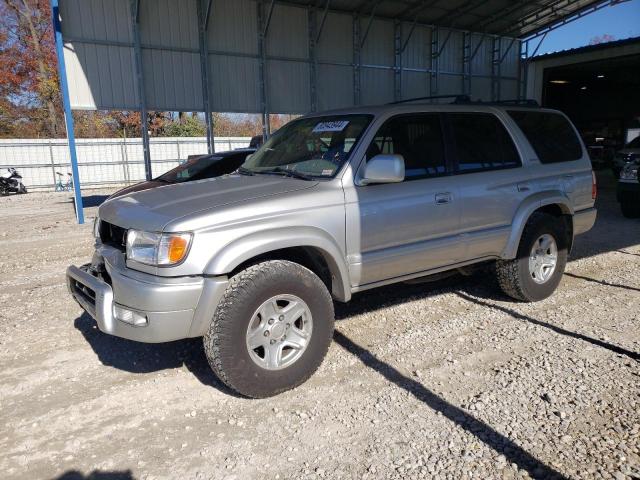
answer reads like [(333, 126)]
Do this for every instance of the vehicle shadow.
[(601, 282), (469, 288), (485, 433), (137, 357), (519, 316), (96, 475)]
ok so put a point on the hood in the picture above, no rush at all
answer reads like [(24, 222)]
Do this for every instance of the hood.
[(153, 208), (138, 187), (627, 151)]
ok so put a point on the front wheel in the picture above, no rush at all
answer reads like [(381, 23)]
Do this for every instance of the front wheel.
[(539, 265), (22, 189), (271, 330)]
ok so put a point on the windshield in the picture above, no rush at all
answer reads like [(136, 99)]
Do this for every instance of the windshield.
[(193, 169), (635, 143), (311, 147)]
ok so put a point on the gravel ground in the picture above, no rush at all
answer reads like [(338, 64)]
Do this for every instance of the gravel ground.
[(435, 380)]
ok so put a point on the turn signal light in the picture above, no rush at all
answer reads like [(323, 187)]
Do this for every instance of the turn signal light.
[(177, 248)]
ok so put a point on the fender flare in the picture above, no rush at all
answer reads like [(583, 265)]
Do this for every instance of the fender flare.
[(250, 246), (530, 205)]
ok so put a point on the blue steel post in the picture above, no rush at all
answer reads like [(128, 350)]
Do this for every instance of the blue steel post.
[(68, 118)]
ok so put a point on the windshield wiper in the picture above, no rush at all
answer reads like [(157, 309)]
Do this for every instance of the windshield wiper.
[(245, 171), (288, 173)]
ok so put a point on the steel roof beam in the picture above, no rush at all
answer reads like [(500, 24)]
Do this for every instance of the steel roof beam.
[(370, 22), (551, 10), (502, 14), (267, 22), (465, 8), (207, 15), (400, 16), (324, 19), (569, 17), (504, 55)]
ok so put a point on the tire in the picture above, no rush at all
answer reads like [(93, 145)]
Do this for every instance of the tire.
[(515, 277), (630, 210), (226, 343), (22, 189)]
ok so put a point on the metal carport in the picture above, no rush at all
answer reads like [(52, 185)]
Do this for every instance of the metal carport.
[(295, 56)]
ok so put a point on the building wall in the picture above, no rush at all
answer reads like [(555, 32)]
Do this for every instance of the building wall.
[(299, 74)]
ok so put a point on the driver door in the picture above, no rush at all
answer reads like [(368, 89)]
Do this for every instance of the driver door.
[(409, 227)]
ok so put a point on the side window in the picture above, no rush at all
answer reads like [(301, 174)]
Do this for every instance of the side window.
[(482, 143), (418, 138), (550, 135)]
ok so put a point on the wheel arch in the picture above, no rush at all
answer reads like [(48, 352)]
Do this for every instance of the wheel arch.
[(553, 203), (311, 247)]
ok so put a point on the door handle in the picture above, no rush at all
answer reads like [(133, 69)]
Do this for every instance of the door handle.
[(443, 198), (523, 187)]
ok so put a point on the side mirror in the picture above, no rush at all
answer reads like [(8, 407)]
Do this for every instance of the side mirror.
[(383, 168)]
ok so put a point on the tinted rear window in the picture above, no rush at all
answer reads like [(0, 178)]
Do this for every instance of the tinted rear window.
[(550, 135), (482, 143)]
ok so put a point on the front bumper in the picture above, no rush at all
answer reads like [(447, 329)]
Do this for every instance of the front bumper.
[(175, 308)]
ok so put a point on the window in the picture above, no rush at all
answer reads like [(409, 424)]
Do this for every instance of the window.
[(482, 143), (418, 138), (550, 134)]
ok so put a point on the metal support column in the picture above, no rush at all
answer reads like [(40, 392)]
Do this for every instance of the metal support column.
[(263, 27), (203, 24), (68, 118), (466, 63), (397, 60), (495, 68), (144, 118), (433, 84), (356, 59), (313, 58), (523, 70)]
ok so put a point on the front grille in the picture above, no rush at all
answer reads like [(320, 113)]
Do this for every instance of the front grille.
[(113, 235)]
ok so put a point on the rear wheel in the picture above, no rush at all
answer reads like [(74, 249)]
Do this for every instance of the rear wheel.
[(539, 265), (271, 330)]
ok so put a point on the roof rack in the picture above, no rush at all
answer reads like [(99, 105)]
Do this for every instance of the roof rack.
[(466, 100), (456, 99), (522, 102)]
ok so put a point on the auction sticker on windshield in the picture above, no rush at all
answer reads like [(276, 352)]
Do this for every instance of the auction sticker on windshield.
[(336, 126)]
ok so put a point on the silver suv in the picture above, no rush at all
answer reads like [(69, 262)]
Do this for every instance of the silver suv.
[(337, 203)]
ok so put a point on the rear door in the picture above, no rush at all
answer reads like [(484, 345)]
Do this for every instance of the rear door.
[(488, 173), (561, 161)]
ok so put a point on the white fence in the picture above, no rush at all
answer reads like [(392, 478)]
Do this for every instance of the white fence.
[(102, 161)]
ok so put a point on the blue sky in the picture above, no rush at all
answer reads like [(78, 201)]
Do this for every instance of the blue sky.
[(621, 21)]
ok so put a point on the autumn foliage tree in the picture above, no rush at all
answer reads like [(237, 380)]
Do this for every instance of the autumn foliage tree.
[(29, 88), (30, 101)]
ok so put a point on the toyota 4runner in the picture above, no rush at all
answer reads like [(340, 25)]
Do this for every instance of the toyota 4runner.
[(337, 203)]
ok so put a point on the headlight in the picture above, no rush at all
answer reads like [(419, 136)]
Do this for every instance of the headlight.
[(162, 249), (96, 227), (629, 171)]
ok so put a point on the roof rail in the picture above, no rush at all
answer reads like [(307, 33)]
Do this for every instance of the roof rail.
[(456, 99), (522, 102), (466, 100)]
